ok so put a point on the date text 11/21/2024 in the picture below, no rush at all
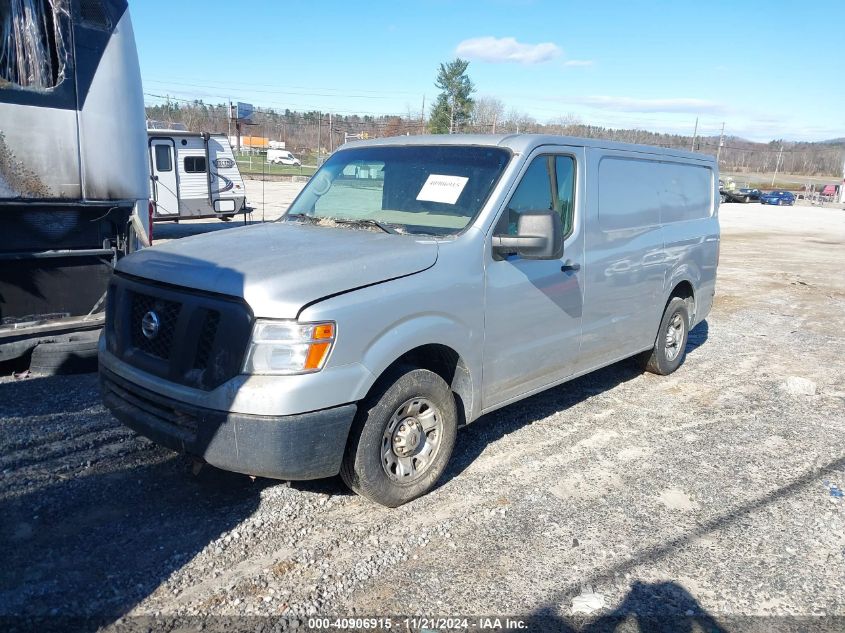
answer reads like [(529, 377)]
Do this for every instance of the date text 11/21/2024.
[(423, 623)]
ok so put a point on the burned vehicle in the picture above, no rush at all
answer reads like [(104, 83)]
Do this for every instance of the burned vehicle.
[(74, 180)]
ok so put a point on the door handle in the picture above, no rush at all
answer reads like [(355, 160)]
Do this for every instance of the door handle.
[(569, 265)]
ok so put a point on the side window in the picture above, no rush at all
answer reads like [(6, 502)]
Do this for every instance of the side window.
[(32, 51), (162, 155), (548, 183), (533, 192), (194, 164), (565, 194)]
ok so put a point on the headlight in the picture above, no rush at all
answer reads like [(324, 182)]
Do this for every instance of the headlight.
[(288, 347)]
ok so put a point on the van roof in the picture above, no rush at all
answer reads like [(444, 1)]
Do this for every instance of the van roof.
[(525, 143)]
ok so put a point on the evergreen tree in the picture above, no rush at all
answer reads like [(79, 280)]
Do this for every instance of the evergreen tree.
[(453, 108)]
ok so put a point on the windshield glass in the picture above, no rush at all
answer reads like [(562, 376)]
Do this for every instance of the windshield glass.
[(423, 189)]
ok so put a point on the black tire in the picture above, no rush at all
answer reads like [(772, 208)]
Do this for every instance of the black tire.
[(658, 360), (362, 468), (74, 355)]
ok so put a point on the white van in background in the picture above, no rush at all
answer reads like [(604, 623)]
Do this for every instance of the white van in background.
[(282, 157), (194, 175)]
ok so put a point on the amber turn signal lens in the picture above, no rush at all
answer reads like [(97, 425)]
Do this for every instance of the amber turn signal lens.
[(324, 331), (316, 355)]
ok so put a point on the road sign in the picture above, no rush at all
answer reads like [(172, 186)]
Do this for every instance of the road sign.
[(243, 111)]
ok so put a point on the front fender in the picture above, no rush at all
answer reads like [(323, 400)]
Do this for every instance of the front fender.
[(400, 337)]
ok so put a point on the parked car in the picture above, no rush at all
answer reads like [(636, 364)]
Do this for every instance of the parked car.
[(739, 195), (380, 314), (751, 194), (282, 157), (778, 197), (828, 192)]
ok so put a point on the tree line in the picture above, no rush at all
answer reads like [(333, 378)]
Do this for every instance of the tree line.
[(456, 110)]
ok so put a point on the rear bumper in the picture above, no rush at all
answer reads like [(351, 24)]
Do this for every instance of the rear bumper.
[(302, 446)]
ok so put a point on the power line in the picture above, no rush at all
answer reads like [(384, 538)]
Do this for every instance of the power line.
[(283, 92), (229, 83)]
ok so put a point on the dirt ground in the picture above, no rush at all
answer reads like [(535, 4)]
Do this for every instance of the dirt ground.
[(713, 497)]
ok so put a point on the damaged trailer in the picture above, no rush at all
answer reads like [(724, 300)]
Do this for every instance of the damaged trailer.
[(74, 176)]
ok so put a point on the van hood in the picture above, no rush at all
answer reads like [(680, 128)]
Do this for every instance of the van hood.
[(280, 267)]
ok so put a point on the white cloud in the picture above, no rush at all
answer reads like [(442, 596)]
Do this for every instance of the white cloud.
[(499, 50), (631, 104), (578, 63)]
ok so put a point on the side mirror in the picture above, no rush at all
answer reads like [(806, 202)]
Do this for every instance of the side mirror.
[(539, 235)]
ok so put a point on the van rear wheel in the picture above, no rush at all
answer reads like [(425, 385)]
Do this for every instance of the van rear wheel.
[(670, 346), (402, 437)]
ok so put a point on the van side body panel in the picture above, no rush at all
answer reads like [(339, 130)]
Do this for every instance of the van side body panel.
[(650, 226)]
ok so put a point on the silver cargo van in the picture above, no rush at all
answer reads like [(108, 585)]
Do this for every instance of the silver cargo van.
[(414, 285)]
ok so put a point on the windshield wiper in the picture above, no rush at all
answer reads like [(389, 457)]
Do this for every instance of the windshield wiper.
[(370, 222), (312, 219), (301, 216)]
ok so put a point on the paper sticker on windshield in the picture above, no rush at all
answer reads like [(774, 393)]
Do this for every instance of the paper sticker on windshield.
[(446, 189)]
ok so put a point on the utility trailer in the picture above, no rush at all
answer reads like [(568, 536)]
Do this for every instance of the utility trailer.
[(74, 192), (194, 175)]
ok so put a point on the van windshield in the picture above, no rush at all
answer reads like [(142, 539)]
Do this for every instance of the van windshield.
[(423, 189)]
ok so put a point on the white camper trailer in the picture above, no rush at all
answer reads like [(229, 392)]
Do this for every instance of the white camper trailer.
[(194, 175)]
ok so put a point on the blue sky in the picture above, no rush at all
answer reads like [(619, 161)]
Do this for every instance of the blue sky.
[(768, 69)]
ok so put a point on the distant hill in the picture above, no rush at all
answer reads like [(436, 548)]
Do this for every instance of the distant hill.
[(305, 131)]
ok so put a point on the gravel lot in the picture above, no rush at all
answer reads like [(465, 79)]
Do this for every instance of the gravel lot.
[(712, 494)]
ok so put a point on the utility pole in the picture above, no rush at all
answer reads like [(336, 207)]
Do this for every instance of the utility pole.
[(777, 164), (319, 131), (721, 142), (331, 134), (842, 186), (422, 117), (694, 134)]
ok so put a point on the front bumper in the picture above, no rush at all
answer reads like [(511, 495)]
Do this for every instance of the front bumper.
[(302, 446)]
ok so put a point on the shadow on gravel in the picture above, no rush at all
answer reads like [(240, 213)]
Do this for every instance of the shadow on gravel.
[(94, 545), (668, 607), (494, 426), (177, 230), (698, 336), (45, 395), (489, 428), (661, 607)]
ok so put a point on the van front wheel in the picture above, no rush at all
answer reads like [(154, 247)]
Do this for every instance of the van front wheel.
[(670, 347), (402, 437)]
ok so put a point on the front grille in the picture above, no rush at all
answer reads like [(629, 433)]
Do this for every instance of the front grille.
[(206, 340), (201, 338), (160, 345)]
